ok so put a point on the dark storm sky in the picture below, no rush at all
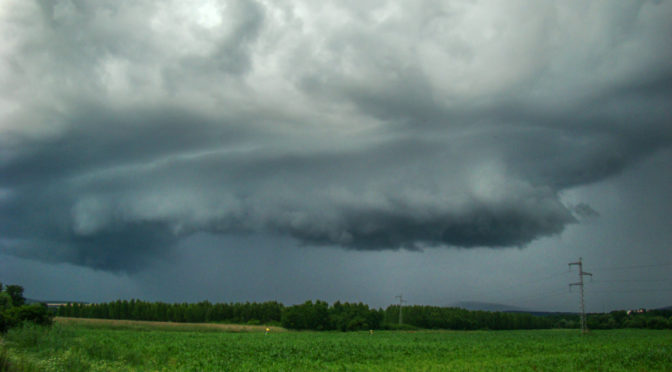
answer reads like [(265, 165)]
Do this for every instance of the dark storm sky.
[(292, 150)]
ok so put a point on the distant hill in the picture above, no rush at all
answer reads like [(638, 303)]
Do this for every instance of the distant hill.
[(34, 301), (487, 306), (493, 307)]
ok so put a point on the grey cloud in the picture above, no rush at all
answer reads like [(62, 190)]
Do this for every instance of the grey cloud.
[(128, 247), (381, 197), (586, 211), (99, 138), (367, 129)]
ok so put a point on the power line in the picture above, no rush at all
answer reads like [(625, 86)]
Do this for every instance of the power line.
[(551, 276), (609, 268), (631, 280), (630, 290)]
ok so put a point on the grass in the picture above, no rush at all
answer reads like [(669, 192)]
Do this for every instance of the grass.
[(83, 345)]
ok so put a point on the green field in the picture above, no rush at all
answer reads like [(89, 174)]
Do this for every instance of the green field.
[(129, 346)]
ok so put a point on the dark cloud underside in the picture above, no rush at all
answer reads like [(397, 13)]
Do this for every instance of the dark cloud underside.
[(127, 127)]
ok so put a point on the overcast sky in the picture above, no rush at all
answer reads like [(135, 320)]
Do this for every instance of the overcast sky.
[(338, 150)]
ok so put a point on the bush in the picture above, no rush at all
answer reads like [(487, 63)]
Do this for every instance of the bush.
[(635, 322), (657, 322), (4, 359), (26, 334), (357, 323), (6, 321), (35, 313), (13, 312)]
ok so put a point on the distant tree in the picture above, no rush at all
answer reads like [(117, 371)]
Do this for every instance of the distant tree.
[(293, 318), (5, 301), (16, 292), (657, 322)]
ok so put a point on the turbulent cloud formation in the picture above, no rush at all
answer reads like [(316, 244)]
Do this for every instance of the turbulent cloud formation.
[(126, 126)]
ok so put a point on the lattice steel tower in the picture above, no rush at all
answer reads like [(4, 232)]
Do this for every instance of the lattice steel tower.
[(584, 324)]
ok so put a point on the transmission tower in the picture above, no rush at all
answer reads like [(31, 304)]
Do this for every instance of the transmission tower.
[(584, 324), (401, 304)]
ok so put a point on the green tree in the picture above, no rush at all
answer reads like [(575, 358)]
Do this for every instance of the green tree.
[(16, 292), (5, 301)]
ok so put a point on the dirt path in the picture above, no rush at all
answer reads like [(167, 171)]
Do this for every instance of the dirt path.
[(168, 325)]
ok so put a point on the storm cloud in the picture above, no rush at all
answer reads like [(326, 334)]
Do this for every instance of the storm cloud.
[(126, 127)]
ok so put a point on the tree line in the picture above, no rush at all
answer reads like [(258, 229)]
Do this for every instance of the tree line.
[(652, 319), (434, 317), (204, 311), (320, 315)]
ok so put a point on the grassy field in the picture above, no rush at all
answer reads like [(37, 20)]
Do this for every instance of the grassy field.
[(94, 345)]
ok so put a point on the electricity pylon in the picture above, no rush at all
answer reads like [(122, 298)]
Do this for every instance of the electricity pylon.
[(401, 303), (584, 324)]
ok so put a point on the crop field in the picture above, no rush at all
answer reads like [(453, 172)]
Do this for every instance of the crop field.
[(86, 345)]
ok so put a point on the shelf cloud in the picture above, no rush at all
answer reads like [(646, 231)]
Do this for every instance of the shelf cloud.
[(128, 126)]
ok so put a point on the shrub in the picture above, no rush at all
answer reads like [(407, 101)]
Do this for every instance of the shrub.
[(14, 312), (657, 322)]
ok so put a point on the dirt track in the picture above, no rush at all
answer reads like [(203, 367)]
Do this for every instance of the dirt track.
[(168, 325)]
